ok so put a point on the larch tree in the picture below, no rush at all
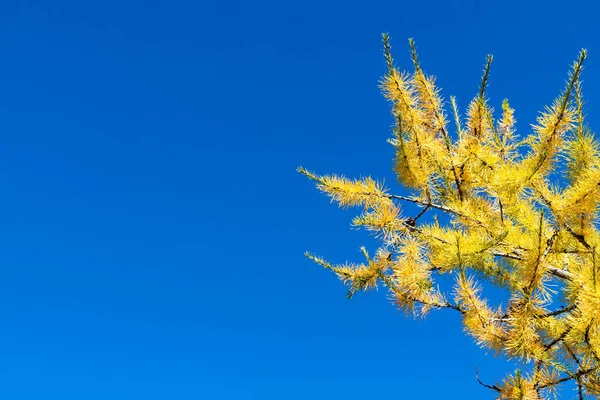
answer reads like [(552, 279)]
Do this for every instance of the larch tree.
[(521, 215)]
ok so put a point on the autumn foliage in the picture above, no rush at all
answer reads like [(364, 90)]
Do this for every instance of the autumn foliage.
[(520, 214)]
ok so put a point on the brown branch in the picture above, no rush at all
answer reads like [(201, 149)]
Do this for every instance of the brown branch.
[(548, 346), (436, 206), (560, 273), (574, 357), (580, 238), (553, 270), (550, 243), (491, 387), (507, 255), (578, 374), (572, 354), (388, 282), (587, 341), (413, 221), (558, 312), (425, 203)]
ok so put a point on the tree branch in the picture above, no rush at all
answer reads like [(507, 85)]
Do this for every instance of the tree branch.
[(558, 312), (491, 387), (578, 374)]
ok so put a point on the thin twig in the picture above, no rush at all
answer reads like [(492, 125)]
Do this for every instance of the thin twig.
[(558, 312), (491, 387)]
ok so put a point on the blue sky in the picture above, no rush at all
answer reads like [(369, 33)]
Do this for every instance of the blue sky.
[(153, 224)]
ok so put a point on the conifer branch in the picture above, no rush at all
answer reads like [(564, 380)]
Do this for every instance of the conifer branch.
[(559, 312), (580, 238), (561, 110), (486, 74), (495, 218), (589, 344), (387, 51), (437, 114), (578, 374), (560, 273)]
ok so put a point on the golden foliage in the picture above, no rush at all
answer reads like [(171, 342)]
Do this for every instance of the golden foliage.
[(506, 225)]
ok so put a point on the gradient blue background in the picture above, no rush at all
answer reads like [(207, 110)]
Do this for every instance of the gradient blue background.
[(153, 225)]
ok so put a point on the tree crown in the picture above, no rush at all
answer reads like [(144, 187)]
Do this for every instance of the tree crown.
[(508, 225)]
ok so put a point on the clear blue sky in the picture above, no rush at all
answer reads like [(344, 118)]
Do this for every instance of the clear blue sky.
[(153, 224)]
